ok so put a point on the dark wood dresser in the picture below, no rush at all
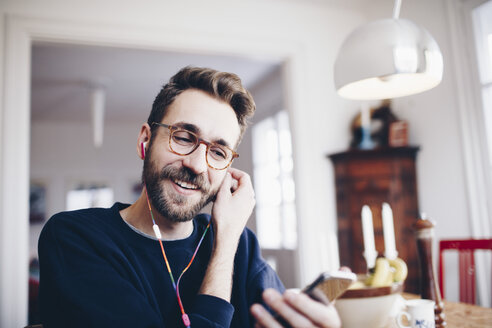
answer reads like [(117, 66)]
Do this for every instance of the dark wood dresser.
[(372, 177)]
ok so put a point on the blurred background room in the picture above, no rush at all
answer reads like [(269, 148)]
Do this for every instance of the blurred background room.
[(78, 79)]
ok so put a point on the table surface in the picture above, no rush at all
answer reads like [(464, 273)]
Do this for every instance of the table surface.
[(467, 315), (460, 315)]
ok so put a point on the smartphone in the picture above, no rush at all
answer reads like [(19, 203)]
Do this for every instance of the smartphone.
[(325, 289), (329, 285)]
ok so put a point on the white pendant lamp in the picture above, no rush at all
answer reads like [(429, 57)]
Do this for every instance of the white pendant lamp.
[(387, 58)]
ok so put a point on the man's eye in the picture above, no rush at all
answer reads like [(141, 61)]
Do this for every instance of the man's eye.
[(218, 153), (183, 138)]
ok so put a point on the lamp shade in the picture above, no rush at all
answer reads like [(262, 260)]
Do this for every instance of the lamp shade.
[(387, 58)]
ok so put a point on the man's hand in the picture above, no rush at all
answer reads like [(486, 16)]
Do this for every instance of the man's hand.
[(230, 212), (233, 206), (297, 309)]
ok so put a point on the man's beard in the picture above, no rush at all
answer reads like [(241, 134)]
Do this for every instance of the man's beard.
[(169, 204)]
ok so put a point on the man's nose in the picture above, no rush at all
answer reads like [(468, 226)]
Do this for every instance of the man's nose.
[(197, 161)]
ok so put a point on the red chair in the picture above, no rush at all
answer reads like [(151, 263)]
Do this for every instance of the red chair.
[(466, 260)]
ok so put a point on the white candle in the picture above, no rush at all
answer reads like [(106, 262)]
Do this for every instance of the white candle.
[(390, 251), (365, 116), (370, 253)]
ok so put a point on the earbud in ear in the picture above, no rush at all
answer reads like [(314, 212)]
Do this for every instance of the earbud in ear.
[(143, 145)]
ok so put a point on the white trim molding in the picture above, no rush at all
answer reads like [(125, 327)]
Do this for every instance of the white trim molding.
[(14, 255)]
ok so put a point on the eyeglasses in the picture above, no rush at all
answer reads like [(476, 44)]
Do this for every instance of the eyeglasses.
[(183, 142)]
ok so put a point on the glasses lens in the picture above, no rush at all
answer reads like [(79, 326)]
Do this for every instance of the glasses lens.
[(183, 142), (219, 156)]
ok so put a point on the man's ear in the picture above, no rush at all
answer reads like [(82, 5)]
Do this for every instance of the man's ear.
[(142, 140)]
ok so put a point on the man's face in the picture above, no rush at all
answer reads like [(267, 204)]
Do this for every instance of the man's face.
[(180, 186)]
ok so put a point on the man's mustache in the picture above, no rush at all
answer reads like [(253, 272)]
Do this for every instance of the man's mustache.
[(186, 175)]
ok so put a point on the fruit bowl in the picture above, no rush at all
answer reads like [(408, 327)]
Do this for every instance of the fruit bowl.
[(369, 307)]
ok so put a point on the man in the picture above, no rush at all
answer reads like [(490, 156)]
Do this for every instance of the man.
[(157, 263)]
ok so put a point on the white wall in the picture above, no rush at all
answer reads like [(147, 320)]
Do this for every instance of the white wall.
[(63, 154), (307, 35), (448, 163), (434, 126)]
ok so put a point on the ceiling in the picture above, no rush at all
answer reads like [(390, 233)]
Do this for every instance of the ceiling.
[(63, 77)]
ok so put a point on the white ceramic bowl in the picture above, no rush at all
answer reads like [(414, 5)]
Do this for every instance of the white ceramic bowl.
[(369, 307)]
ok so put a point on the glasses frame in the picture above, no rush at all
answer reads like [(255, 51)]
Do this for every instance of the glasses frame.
[(173, 128)]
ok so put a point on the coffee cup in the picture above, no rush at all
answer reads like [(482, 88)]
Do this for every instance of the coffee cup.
[(419, 314)]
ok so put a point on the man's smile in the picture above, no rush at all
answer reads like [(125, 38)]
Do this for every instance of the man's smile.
[(186, 185)]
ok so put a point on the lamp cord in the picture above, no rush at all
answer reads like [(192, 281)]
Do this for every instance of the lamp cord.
[(396, 9)]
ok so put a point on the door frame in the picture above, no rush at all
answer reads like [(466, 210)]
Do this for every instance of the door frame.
[(20, 33)]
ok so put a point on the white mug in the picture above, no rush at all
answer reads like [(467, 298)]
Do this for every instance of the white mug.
[(419, 313)]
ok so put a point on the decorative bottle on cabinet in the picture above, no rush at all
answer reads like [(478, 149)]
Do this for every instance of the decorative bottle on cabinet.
[(372, 177)]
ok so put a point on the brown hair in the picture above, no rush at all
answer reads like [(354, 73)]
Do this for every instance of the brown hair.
[(222, 85)]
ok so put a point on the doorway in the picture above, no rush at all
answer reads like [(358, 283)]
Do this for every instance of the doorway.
[(22, 33), (63, 77)]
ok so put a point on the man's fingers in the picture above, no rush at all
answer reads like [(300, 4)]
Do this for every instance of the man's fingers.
[(277, 302), (242, 177), (226, 185), (320, 314), (241, 183), (298, 309), (234, 185), (236, 173), (263, 317)]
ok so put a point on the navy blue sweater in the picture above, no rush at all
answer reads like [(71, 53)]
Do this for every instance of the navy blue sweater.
[(97, 271)]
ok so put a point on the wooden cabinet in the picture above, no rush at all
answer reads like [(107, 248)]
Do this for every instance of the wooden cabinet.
[(372, 177)]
